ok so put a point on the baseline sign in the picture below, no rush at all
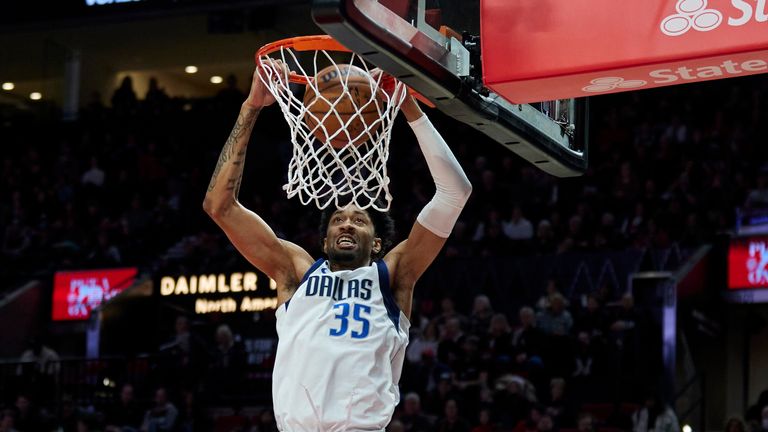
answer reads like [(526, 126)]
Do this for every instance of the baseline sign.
[(220, 293), (565, 49)]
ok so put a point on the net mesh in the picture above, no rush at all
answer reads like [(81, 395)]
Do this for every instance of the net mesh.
[(355, 171)]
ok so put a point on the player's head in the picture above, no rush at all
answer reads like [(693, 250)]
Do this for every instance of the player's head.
[(351, 235)]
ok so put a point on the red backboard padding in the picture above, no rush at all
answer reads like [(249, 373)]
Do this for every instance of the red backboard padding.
[(553, 49)]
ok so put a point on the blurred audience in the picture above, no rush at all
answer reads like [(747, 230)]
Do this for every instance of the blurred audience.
[(109, 189)]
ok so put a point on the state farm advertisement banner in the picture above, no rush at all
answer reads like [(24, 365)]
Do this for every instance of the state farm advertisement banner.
[(564, 49), (748, 263), (76, 293)]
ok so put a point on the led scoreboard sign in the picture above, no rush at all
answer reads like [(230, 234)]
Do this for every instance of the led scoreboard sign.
[(748, 270), (77, 293)]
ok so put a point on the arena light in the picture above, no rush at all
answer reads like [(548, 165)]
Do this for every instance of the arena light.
[(216, 79), (8, 86), (35, 95), (190, 69), (687, 428)]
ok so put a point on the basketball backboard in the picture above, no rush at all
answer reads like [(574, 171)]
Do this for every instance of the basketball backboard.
[(433, 46)]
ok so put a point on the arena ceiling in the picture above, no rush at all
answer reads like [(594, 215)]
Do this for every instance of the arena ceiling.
[(160, 41)]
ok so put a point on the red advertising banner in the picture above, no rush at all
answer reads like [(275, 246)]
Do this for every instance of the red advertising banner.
[(551, 49), (748, 263), (76, 293)]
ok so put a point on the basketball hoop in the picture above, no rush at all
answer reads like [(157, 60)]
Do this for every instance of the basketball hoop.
[(321, 170)]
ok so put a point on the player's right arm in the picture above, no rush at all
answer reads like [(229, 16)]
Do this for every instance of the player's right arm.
[(281, 260)]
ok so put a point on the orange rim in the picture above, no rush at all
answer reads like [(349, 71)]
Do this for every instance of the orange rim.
[(300, 43), (317, 43)]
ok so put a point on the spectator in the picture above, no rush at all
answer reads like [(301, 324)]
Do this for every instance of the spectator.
[(735, 424), (754, 413), (480, 318), (764, 420), (230, 97), (517, 227), (27, 418), (94, 176), (162, 416), (448, 311), (412, 419), (124, 416), (556, 320), (592, 319), (626, 316), (124, 99), (499, 345), (192, 416), (758, 197), (545, 424), (545, 238), (510, 402), (550, 290), (427, 375), (449, 348), (184, 355), (558, 405), (489, 236), (422, 342), (7, 420), (104, 252), (459, 244), (41, 358), (227, 368), (443, 392), (654, 416), (484, 423), (586, 423), (156, 98), (395, 426), (17, 240), (586, 377), (451, 420), (69, 416), (527, 339), (265, 422)]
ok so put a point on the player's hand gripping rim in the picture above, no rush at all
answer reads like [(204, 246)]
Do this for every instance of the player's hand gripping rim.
[(260, 95)]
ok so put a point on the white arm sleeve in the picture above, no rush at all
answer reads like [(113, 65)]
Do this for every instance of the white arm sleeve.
[(453, 187)]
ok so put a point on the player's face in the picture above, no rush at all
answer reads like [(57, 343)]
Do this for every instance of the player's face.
[(350, 238)]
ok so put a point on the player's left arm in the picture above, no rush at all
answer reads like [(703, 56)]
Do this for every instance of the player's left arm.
[(410, 259)]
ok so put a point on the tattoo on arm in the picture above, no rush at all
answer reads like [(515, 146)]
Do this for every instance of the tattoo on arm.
[(234, 150)]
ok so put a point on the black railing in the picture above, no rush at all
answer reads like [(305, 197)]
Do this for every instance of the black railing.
[(97, 382)]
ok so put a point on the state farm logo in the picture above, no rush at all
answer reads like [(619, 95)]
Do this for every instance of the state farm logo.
[(691, 14), (694, 14), (606, 84)]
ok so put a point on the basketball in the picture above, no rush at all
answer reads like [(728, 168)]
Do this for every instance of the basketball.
[(347, 90)]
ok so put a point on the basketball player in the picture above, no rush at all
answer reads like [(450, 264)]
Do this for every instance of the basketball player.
[(342, 322)]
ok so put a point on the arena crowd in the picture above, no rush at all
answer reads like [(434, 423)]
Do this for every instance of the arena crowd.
[(123, 184)]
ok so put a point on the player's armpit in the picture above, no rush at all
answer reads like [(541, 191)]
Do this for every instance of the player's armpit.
[(409, 260)]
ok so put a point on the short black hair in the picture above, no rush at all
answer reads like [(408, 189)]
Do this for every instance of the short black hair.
[(383, 226)]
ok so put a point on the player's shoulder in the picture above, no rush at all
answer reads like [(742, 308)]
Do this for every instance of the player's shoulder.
[(300, 258)]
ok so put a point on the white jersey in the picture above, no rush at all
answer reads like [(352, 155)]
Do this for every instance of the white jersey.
[(340, 352)]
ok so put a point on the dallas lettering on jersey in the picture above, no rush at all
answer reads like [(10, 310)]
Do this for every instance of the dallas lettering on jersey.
[(337, 288)]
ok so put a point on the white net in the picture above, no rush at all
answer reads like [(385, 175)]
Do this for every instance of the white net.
[(340, 138)]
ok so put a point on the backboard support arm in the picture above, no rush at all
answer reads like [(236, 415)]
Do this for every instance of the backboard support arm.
[(391, 43)]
